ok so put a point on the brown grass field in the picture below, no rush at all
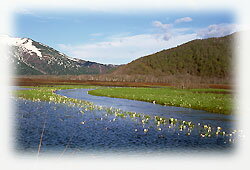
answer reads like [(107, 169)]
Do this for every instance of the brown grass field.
[(33, 81)]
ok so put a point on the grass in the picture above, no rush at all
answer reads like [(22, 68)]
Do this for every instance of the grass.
[(46, 93), (170, 95), (200, 99)]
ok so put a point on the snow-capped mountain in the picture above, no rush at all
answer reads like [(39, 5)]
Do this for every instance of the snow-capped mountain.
[(31, 57)]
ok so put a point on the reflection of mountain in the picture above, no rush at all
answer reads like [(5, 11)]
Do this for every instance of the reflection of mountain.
[(31, 57), (206, 58)]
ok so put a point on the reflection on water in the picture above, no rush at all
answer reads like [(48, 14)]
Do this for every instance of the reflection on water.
[(68, 131), (197, 116)]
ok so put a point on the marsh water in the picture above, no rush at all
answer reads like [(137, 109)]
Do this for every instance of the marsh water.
[(197, 116), (66, 130)]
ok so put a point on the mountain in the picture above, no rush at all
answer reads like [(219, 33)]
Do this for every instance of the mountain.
[(202, 57), (210, 58), (34, 58)]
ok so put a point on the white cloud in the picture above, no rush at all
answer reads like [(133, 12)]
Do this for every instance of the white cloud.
[(217, 30), (167, 36), (165, 28), (161, 25), (124, 49), (185, 19), (168, 30)]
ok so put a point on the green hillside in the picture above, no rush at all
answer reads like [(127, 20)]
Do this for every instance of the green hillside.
[(205, 58)]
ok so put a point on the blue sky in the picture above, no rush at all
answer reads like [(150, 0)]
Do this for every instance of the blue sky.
[(119, 38)]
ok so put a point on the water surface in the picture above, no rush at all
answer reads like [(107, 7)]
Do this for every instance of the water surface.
[(68, 131), (187, 114)]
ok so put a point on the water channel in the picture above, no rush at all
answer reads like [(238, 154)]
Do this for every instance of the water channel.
[(67, 131)]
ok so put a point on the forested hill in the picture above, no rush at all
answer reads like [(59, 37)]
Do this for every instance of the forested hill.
[(202, 57)]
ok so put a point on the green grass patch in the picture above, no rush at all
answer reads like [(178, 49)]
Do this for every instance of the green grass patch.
[(209, 101), (168, 96), (46, 93)]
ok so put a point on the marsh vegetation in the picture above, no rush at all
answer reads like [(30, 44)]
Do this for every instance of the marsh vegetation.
[(211, 100), (103, 128)]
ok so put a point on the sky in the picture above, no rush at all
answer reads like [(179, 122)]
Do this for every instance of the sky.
[(120, 37)]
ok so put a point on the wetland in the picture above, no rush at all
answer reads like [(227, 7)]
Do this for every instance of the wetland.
[(68, 120)]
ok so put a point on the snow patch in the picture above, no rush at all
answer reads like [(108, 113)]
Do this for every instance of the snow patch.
[(24, 43), (61, 54), (74, 59)]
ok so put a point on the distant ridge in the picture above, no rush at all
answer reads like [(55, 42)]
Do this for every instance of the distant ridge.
[(33, 58), (202, 57)]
